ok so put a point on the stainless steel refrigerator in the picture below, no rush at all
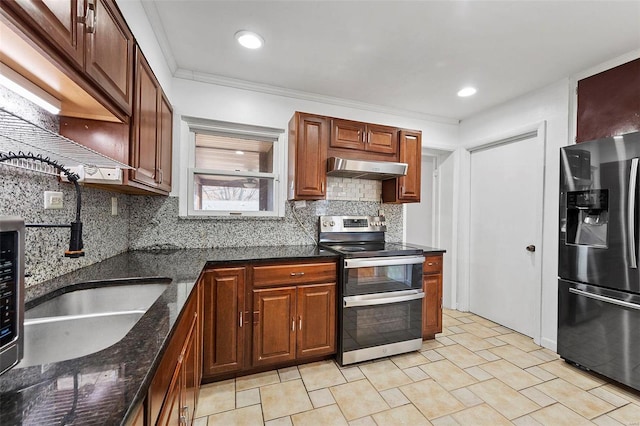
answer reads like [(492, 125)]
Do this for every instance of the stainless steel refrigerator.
[(598, 275)]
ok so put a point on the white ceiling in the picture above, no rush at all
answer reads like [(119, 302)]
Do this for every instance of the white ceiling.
[(410, 56)]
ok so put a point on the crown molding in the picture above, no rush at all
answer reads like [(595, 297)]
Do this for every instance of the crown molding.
[(153, 16), (308, 96)]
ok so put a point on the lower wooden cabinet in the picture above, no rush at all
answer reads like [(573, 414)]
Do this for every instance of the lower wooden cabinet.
[(267, 314), (432, 305), (225, 320), (293, 323), (173, 393)]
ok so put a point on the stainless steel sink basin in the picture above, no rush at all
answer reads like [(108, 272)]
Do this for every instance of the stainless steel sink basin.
[(54, 339), (115, 298), (82, 322)]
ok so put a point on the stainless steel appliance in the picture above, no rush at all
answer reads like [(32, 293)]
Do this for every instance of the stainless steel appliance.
[(599, 279), (380, 293), (11, 291)]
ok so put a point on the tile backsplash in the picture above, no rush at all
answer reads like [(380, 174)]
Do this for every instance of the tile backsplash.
[(152, 222)]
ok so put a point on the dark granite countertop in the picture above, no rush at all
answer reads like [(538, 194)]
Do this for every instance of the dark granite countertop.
[(428, 250), (104, 387)]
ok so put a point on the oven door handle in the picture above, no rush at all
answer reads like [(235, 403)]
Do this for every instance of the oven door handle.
[(382, 298), (383, 261)]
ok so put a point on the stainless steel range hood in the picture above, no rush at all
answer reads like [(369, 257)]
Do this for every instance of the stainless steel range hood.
[(375, 170)]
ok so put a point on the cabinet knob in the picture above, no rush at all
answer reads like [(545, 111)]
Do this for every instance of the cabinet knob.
[(297, 274)]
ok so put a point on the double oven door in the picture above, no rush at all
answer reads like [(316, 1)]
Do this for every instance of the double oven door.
[(381, 310)]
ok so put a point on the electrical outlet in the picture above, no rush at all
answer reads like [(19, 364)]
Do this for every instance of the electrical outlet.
[(114, 206), (53, 200), (298, 204)]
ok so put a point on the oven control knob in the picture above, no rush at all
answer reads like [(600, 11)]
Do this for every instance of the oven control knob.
[(383, 223), (325, 223), (332, 223)]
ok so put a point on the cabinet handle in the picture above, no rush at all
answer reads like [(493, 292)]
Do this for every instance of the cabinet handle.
[(293, 324), (297, 274), (321, 186), (90, 17), (240, 320), (161, 177), (300, 322)]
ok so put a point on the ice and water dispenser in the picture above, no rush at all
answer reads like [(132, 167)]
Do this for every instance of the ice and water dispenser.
[(588, 217)]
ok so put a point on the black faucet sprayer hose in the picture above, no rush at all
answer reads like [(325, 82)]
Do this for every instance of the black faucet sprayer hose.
[(75, 242)]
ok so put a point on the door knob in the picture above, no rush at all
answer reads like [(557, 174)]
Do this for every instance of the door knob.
[(531, 248)]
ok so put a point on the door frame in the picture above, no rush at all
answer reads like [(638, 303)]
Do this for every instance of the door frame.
[(537, 130)]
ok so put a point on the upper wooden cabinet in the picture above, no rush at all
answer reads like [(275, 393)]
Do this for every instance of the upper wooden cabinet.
[(609, 103), (89, 36), (364, 137), (406, 189), (308, 142), (151, 132)]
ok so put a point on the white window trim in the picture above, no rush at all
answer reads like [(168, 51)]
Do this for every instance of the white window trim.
[(200, 125)]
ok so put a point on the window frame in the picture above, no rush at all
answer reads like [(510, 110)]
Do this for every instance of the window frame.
[(236, 130)]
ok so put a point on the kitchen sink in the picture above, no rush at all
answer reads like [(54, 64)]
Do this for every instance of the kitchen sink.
[(114, 298), (55, 339), (82, 322)]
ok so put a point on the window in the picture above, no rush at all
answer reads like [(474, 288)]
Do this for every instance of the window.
[(233, 170)]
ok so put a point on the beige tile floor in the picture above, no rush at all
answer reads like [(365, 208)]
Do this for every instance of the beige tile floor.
[(474, 373)]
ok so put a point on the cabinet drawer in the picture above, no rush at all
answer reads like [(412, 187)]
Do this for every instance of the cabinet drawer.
[(294, 274), (432, 264)]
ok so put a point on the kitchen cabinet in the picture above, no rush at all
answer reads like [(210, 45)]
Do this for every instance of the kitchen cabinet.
[(432, 304), (173, 393), (406, 189), (224, 320), (308, 142), (145, 143), (609, 103), (151, 133), (89, 36), (363, 136), (293, 323)]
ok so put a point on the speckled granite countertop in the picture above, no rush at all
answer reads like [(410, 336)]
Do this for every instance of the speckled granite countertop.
[(102, 388)]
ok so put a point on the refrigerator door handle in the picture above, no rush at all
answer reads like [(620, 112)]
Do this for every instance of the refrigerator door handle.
[(631, 214), (605, 299)]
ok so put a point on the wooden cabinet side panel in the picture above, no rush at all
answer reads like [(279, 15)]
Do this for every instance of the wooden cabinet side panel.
[(191, 379), (432, 304), (316, 311), (273, 327), (224, 291), (109, 54), (609, 103)]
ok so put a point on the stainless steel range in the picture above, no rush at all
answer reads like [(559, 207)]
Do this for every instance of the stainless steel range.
[(380, 294)]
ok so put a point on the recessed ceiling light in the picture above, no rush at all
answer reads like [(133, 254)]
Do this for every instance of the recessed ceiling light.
[(467, 91), (249, 39)]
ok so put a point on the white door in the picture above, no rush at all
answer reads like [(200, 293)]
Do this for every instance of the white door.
[(505, 219)]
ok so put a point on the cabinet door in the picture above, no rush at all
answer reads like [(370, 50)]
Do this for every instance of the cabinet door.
[(432, 305), (609, 103), (171, 408), (316, 313), (144, 153), (191, 381), (56, 21), (347, 134), (406, 189), (308, 140), (224, 320), (274, 325), (109, 53), (165, 142), (382, 139)]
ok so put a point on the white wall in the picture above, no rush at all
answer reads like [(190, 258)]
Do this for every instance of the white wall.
[(550, 105), (419, 217)]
